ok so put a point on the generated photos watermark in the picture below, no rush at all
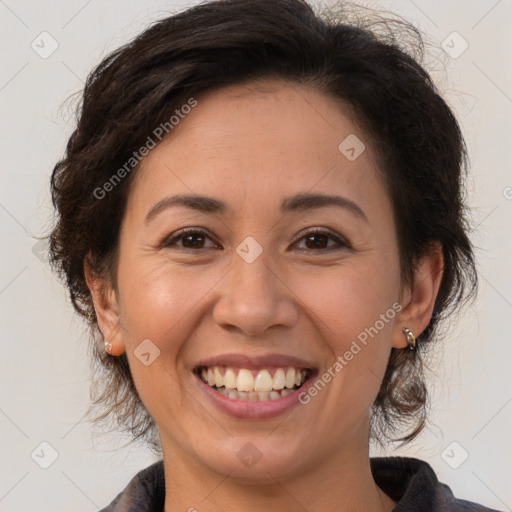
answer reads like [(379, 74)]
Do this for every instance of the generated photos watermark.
[(158, 134), (355, 348)]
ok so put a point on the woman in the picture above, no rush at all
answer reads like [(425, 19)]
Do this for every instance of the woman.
[(261, 218)]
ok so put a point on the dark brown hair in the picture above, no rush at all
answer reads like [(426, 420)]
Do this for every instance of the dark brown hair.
[(362, 64)]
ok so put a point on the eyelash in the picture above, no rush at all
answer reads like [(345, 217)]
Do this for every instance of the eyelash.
[(342, 243)]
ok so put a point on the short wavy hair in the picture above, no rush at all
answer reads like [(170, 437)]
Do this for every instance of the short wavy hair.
[(372, 64)]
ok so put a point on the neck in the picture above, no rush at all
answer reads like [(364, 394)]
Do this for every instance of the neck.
[(341, 482)]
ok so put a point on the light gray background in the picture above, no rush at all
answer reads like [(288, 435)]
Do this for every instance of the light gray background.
[(44, 368)]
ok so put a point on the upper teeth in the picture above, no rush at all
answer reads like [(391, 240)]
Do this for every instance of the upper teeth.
[(249, 380)]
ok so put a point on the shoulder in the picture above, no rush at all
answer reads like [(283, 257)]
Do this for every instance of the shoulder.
[(144, 493), (413, 485)]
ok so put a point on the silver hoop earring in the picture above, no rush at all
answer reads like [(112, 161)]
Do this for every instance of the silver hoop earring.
[(409, 336)]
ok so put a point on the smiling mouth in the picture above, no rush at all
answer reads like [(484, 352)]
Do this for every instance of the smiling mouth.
[(253, 385)]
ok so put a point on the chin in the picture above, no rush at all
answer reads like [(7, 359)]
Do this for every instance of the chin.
[(255, 459)]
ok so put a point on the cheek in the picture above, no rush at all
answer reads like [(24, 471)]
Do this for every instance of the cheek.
[(352, 310), (160, 303), (348, 299), (157, 296)]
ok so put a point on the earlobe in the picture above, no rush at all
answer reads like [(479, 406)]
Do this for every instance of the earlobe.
[(420, 298), (107, 312)]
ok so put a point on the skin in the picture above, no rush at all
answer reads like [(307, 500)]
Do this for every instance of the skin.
[(252, 146)]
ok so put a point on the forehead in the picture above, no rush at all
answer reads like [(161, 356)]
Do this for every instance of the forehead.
[(269, 116), (262, 139)]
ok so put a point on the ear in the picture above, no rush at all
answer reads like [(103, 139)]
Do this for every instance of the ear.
[(419, 296), (107, 310)]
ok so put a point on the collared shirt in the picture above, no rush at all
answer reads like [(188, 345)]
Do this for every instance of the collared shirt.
[(410, 482)]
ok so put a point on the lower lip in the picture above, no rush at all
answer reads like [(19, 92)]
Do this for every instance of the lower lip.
[(256, 409)]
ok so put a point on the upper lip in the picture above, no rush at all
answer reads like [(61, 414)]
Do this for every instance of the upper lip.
[(255, 362)]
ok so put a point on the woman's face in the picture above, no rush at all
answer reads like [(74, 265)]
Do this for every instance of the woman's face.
[(255, 289)]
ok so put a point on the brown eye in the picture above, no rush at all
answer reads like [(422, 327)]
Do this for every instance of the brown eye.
[(188, 239), (193, 240), (319, 240)]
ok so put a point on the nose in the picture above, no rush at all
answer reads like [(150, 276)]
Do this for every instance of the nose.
[(253, 298)]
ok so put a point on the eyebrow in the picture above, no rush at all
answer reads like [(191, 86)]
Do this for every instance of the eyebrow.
[(299, 202), (203, 204), (304, 202)]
